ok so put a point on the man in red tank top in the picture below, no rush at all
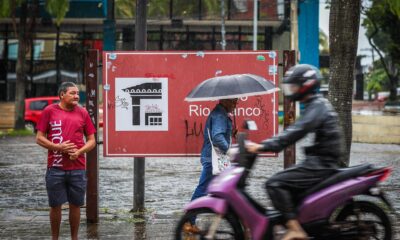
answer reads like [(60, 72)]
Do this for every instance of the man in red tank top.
[(61, 130)]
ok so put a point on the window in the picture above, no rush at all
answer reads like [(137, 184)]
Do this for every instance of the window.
[(38, 105), (155, 121)]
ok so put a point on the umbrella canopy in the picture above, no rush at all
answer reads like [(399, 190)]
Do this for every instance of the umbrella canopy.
[(231, 86)]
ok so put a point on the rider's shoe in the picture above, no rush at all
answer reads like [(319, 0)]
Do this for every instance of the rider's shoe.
[(189, 228)]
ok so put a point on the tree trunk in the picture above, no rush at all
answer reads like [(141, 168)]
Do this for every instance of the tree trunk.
[(344, 20), (393, 80), (58, 74), (20, 70)]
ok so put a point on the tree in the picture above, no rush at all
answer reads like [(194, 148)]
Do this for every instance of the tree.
[(57, 8), (124, 8), (20, 69), (344, 22), (323, 43), (382, 22), (160, 8), (376, 81)]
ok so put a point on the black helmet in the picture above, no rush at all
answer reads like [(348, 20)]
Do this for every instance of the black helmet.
[(301, 80)]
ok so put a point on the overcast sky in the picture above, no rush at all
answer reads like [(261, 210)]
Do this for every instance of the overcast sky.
[(362, 39)]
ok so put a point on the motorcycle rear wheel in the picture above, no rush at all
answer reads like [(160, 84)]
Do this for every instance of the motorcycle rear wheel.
[(371, 221), (228, 228)]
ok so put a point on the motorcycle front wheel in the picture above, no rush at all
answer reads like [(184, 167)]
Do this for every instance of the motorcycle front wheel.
[(208, 225), (369, 219)]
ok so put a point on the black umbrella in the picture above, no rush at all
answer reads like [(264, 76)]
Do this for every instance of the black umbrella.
[(231, 86)]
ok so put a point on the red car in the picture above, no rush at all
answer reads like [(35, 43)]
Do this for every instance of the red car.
[(34, 108)]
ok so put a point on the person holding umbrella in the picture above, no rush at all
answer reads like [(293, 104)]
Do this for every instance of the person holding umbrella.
[(227, 90), (301, 83), (219, 129)]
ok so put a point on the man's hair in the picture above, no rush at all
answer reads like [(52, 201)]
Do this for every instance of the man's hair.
[(64, 87)]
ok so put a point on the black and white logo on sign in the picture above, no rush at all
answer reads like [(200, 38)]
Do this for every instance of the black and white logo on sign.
[(141, 104)]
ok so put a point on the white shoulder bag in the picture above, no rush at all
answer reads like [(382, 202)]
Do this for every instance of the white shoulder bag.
[(220, 161)]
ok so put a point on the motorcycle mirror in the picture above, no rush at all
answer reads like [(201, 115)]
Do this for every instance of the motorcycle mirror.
[(250, 125), (241, 137)]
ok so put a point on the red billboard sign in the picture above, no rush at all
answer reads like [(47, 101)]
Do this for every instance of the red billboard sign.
[(144, 109)]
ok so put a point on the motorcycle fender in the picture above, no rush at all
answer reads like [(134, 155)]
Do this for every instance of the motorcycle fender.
[(382, 196), (218, 205)]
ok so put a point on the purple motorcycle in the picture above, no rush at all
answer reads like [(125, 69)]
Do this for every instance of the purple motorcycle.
[(347, 205)]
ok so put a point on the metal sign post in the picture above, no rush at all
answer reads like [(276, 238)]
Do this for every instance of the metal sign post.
[(289, 110), (139, 162), (92, 162)]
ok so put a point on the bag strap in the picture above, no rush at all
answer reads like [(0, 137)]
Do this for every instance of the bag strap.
[(209, 137)]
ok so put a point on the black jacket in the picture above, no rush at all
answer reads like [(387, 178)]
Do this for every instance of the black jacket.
[(319, 118)]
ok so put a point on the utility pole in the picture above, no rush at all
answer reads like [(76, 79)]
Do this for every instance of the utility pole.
[(223, 32), (92, 157), (289, 111), (294, 27), (255, 24), (109, 28), (290, 58)]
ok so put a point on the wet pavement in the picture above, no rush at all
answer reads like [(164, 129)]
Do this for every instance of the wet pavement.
[(169, 185)]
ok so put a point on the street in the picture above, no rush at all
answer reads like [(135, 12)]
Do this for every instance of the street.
[(169, 185)]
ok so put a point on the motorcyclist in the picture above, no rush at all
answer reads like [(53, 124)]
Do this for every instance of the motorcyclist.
[(301, 83)]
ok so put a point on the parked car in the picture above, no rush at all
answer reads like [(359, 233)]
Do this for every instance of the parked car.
[(383, 96), (34, 108), (101, 116)]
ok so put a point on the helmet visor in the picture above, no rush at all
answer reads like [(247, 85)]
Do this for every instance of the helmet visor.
[(289, 89)]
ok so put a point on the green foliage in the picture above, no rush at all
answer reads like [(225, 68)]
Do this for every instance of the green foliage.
[(8, 6), (16, 133), (376, 80), (159, 9), (394, 6), (323, 43), (382, 23), (5, 8), (280, 120), (58, 9), (213, 7), (125, 8)]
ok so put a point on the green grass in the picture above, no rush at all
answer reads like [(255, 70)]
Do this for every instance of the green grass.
[(16, 133)]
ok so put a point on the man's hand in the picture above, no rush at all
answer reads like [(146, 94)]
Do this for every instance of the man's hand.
[(90, 144), (74, 154), (66, 147), (253, 147)]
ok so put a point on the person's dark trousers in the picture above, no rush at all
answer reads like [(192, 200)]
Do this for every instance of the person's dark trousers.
[(284, 186), (205, 179)]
